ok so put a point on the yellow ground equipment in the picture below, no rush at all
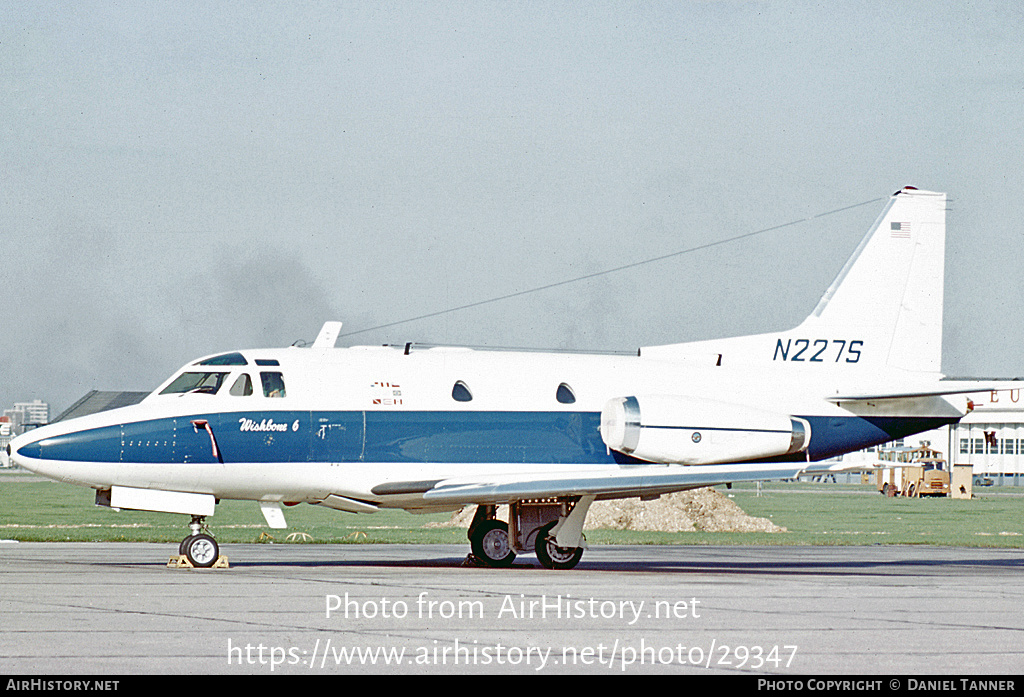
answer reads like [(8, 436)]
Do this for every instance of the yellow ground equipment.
[(922, 472)]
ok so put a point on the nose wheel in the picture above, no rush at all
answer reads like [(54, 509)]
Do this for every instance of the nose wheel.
[(199, 548)]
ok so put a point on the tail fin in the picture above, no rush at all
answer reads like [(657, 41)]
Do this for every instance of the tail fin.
[(883, 310), (890, 292)]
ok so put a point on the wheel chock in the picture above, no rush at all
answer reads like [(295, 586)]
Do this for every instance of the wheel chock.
[(180, 561)]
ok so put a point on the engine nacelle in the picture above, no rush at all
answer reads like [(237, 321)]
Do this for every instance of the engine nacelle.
[(691, 431)]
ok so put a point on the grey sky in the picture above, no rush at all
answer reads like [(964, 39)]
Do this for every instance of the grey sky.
[(180, 179)]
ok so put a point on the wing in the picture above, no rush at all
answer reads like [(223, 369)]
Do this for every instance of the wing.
[(602, 482)]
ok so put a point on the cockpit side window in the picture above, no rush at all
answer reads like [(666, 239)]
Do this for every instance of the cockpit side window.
[(242, 386), (203, 383), (273, 384)]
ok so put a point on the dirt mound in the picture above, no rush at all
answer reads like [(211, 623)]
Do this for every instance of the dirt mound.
[(686, 511)]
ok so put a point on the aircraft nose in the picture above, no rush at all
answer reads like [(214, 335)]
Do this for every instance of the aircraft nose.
[(25, 450), (58, 455)]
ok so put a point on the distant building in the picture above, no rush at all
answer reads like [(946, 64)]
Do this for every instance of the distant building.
[(26, 415), (37, 412), (15, 421), (6, 434), (991, 437)]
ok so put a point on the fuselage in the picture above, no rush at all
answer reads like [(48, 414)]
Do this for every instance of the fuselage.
[(295, 425)]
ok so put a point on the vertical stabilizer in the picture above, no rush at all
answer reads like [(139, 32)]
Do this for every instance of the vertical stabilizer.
[(890, 293), (884, 310)]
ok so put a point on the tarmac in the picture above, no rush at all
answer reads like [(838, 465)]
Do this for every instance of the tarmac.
[(117, 609)]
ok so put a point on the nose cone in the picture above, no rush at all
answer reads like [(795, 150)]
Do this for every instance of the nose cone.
[(23, 450), (60, 453)]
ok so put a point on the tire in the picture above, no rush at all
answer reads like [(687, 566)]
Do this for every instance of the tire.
[(184, 543), (491, 545), (201, 551), (550, 555)]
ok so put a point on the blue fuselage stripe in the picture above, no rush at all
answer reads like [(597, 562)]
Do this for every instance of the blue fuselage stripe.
[(421, 436)]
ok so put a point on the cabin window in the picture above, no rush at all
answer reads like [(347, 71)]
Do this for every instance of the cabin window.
[(461, 393), (204, 383), (273, 384), (565, 395), (242, 386)]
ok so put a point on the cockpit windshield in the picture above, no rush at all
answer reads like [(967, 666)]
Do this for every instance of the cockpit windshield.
[(204, 383)]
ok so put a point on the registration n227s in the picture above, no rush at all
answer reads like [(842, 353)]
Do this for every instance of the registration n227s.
[(359, 429)]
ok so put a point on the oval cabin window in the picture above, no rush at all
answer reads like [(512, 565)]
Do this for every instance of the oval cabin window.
[(461, 393), (565, 394)]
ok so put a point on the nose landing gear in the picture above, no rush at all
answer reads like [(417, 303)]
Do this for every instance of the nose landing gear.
[(199, 548)]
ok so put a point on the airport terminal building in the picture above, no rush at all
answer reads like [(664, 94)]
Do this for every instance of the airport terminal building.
[(991, 437)]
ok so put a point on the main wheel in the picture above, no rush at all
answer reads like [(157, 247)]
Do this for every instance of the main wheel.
[(491, 545), (550, 555), (201, 551)]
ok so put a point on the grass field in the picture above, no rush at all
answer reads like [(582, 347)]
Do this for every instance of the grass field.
[(813, 514)]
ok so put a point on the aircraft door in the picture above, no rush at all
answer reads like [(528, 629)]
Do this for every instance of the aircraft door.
[(260, 436), (193, 442)]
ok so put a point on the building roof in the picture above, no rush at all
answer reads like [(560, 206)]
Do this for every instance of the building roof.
[(96, 401)]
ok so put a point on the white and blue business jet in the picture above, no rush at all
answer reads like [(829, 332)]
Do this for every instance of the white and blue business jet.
[(363, 428)]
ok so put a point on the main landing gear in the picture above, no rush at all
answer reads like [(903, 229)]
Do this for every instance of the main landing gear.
[(551, 528), (489, 540), (199, 548), (550, 555)]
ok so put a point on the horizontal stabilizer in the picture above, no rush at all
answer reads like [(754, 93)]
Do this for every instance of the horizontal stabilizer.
[(935, 389)]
